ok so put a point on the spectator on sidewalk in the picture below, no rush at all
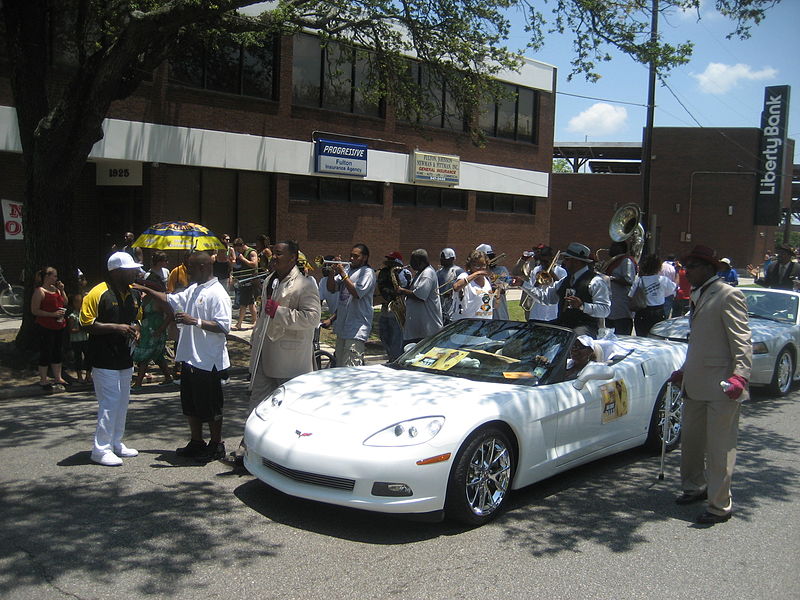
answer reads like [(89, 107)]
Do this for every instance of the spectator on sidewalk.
[(48, 305), (110, 313)]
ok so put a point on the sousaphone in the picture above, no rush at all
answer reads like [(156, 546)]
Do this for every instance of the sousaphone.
[(625, 227)]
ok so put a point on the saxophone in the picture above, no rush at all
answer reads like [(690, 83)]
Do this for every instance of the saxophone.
[(398, 304)]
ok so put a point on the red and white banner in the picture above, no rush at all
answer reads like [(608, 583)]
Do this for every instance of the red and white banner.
[(12, 219)]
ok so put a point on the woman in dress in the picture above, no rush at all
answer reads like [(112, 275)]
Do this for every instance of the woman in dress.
[(657, 288), (48, 305), (153, 339), (472, 291)]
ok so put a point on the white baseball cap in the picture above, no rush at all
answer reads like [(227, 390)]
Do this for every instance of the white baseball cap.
[(484, 248), (448, 253), (727, 261), (122, 260)]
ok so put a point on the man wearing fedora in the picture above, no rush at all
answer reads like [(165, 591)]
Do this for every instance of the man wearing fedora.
[(714, 380), (583, 297), (781, 274)]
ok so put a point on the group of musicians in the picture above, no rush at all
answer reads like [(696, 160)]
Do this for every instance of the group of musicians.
[(417, 300)]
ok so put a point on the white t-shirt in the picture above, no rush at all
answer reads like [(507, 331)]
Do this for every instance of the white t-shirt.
[(473, 301), (540, 311), (329, 299), (657, 287), (200, 348)]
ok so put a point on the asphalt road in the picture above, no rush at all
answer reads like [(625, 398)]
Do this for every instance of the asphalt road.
[(157, 527)]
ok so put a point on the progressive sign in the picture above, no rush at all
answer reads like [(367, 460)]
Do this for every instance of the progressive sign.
[(341, 158)]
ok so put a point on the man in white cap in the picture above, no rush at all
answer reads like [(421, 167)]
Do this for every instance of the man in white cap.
[(110, 313), (583, 296), (446, 275), (500, 279)]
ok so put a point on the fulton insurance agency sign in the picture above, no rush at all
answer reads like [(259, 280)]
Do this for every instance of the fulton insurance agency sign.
[(771, 156), (341, 158)]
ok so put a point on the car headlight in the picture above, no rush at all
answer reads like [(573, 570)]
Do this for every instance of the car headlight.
[(269, 403), (407, 433), (760, 348)]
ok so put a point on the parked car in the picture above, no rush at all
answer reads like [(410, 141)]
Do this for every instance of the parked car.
[(459, 420), (775, 327)]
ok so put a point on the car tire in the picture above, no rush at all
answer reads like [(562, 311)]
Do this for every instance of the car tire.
[(782, 374), (481, 477), (653, 441)]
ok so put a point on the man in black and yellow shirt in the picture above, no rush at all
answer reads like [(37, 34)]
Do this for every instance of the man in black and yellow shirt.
[(110, 314)]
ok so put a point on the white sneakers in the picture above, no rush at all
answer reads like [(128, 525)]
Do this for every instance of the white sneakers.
[(125, 452), (114, 459), (107, 459)]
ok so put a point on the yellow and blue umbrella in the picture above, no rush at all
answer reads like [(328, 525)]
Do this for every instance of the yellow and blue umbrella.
[(178, 235)]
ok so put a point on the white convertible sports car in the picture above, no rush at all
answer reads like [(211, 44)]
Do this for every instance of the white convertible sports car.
[(458, 421), (775, 328)]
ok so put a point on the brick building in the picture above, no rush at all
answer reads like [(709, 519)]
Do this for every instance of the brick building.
[(703, 191), (227, 139)]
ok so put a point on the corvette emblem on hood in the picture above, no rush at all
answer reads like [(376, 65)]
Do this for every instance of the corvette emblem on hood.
[(301, 434)]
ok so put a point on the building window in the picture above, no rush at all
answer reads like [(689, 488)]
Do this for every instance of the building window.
[(442, 111), (430, 197), (329, 189), (225, 66), (334, 77), (506, 203), (513, 117)]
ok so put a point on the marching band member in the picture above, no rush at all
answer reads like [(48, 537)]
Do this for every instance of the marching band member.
[(540, 311), (423, 308), (446, 275), (582, 296), (500, 278), (472, 291)]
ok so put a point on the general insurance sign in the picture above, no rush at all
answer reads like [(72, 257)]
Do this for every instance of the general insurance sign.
[(435, 168), (341, 158), (771, 155)]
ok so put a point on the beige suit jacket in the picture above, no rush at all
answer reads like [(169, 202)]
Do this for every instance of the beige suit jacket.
[(283, 343), (719, 343)]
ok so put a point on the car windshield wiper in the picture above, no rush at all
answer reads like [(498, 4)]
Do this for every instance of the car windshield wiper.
[(752, 314)]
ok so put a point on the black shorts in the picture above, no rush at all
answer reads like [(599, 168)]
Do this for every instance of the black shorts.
[(246, 295), (201, 393)]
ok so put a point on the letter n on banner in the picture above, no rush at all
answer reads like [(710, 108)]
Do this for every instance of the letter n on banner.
[(771, 154), (12, 219)]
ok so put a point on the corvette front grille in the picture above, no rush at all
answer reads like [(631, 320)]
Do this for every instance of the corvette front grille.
[(339, 483)]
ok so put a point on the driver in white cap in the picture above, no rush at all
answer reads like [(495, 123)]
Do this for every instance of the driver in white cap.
[(583, 296)]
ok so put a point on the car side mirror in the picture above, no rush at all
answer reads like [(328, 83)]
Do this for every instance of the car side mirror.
[(593, 371)]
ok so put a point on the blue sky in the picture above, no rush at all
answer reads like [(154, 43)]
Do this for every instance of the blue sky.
[(722, 85)]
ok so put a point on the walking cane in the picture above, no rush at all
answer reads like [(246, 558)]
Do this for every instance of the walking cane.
[(665, 427)]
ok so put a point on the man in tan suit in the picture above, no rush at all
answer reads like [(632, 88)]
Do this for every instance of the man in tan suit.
[(714, 378), (282, 342)]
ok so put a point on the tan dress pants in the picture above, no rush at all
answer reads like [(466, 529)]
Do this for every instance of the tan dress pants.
[(708, 449)]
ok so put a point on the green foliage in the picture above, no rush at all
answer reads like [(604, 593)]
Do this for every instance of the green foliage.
[(562, 165), (794, 238)]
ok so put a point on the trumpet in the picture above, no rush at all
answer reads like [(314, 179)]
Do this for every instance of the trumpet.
[(545, 278), (497, 259), (321, 262)]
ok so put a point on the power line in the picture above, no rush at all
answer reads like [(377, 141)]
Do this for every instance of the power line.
[(601, 99)]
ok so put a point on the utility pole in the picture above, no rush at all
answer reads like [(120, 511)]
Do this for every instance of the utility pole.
[(647, 142)]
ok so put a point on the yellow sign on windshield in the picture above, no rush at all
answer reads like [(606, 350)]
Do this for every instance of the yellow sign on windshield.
[(440, 359)]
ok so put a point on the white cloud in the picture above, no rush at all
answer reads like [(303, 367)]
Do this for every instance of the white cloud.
[(719, 78), (599, 119)]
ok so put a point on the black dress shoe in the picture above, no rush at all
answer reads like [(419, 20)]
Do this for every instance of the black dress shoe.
[(691, 497), (709, 518)]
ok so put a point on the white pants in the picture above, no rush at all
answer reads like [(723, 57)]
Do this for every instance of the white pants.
[(113, 391)]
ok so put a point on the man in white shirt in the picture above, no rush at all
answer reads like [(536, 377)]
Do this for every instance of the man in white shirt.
[(582, 296), (353, 322), (540, 312), (203, 312)]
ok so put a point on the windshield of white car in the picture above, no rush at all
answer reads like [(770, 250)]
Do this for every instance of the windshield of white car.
[(770, 305), (486, 350)]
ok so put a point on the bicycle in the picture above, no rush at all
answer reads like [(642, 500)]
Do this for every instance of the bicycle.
[(11, 297), (322, 358)]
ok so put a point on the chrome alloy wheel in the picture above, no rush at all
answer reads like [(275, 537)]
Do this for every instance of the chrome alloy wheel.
[(783, 372), (488, 476)]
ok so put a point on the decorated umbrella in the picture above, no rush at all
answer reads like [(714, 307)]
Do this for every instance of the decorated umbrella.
[(178, 235)]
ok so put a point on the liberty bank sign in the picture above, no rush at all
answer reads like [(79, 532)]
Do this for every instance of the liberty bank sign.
[(771, 156)]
